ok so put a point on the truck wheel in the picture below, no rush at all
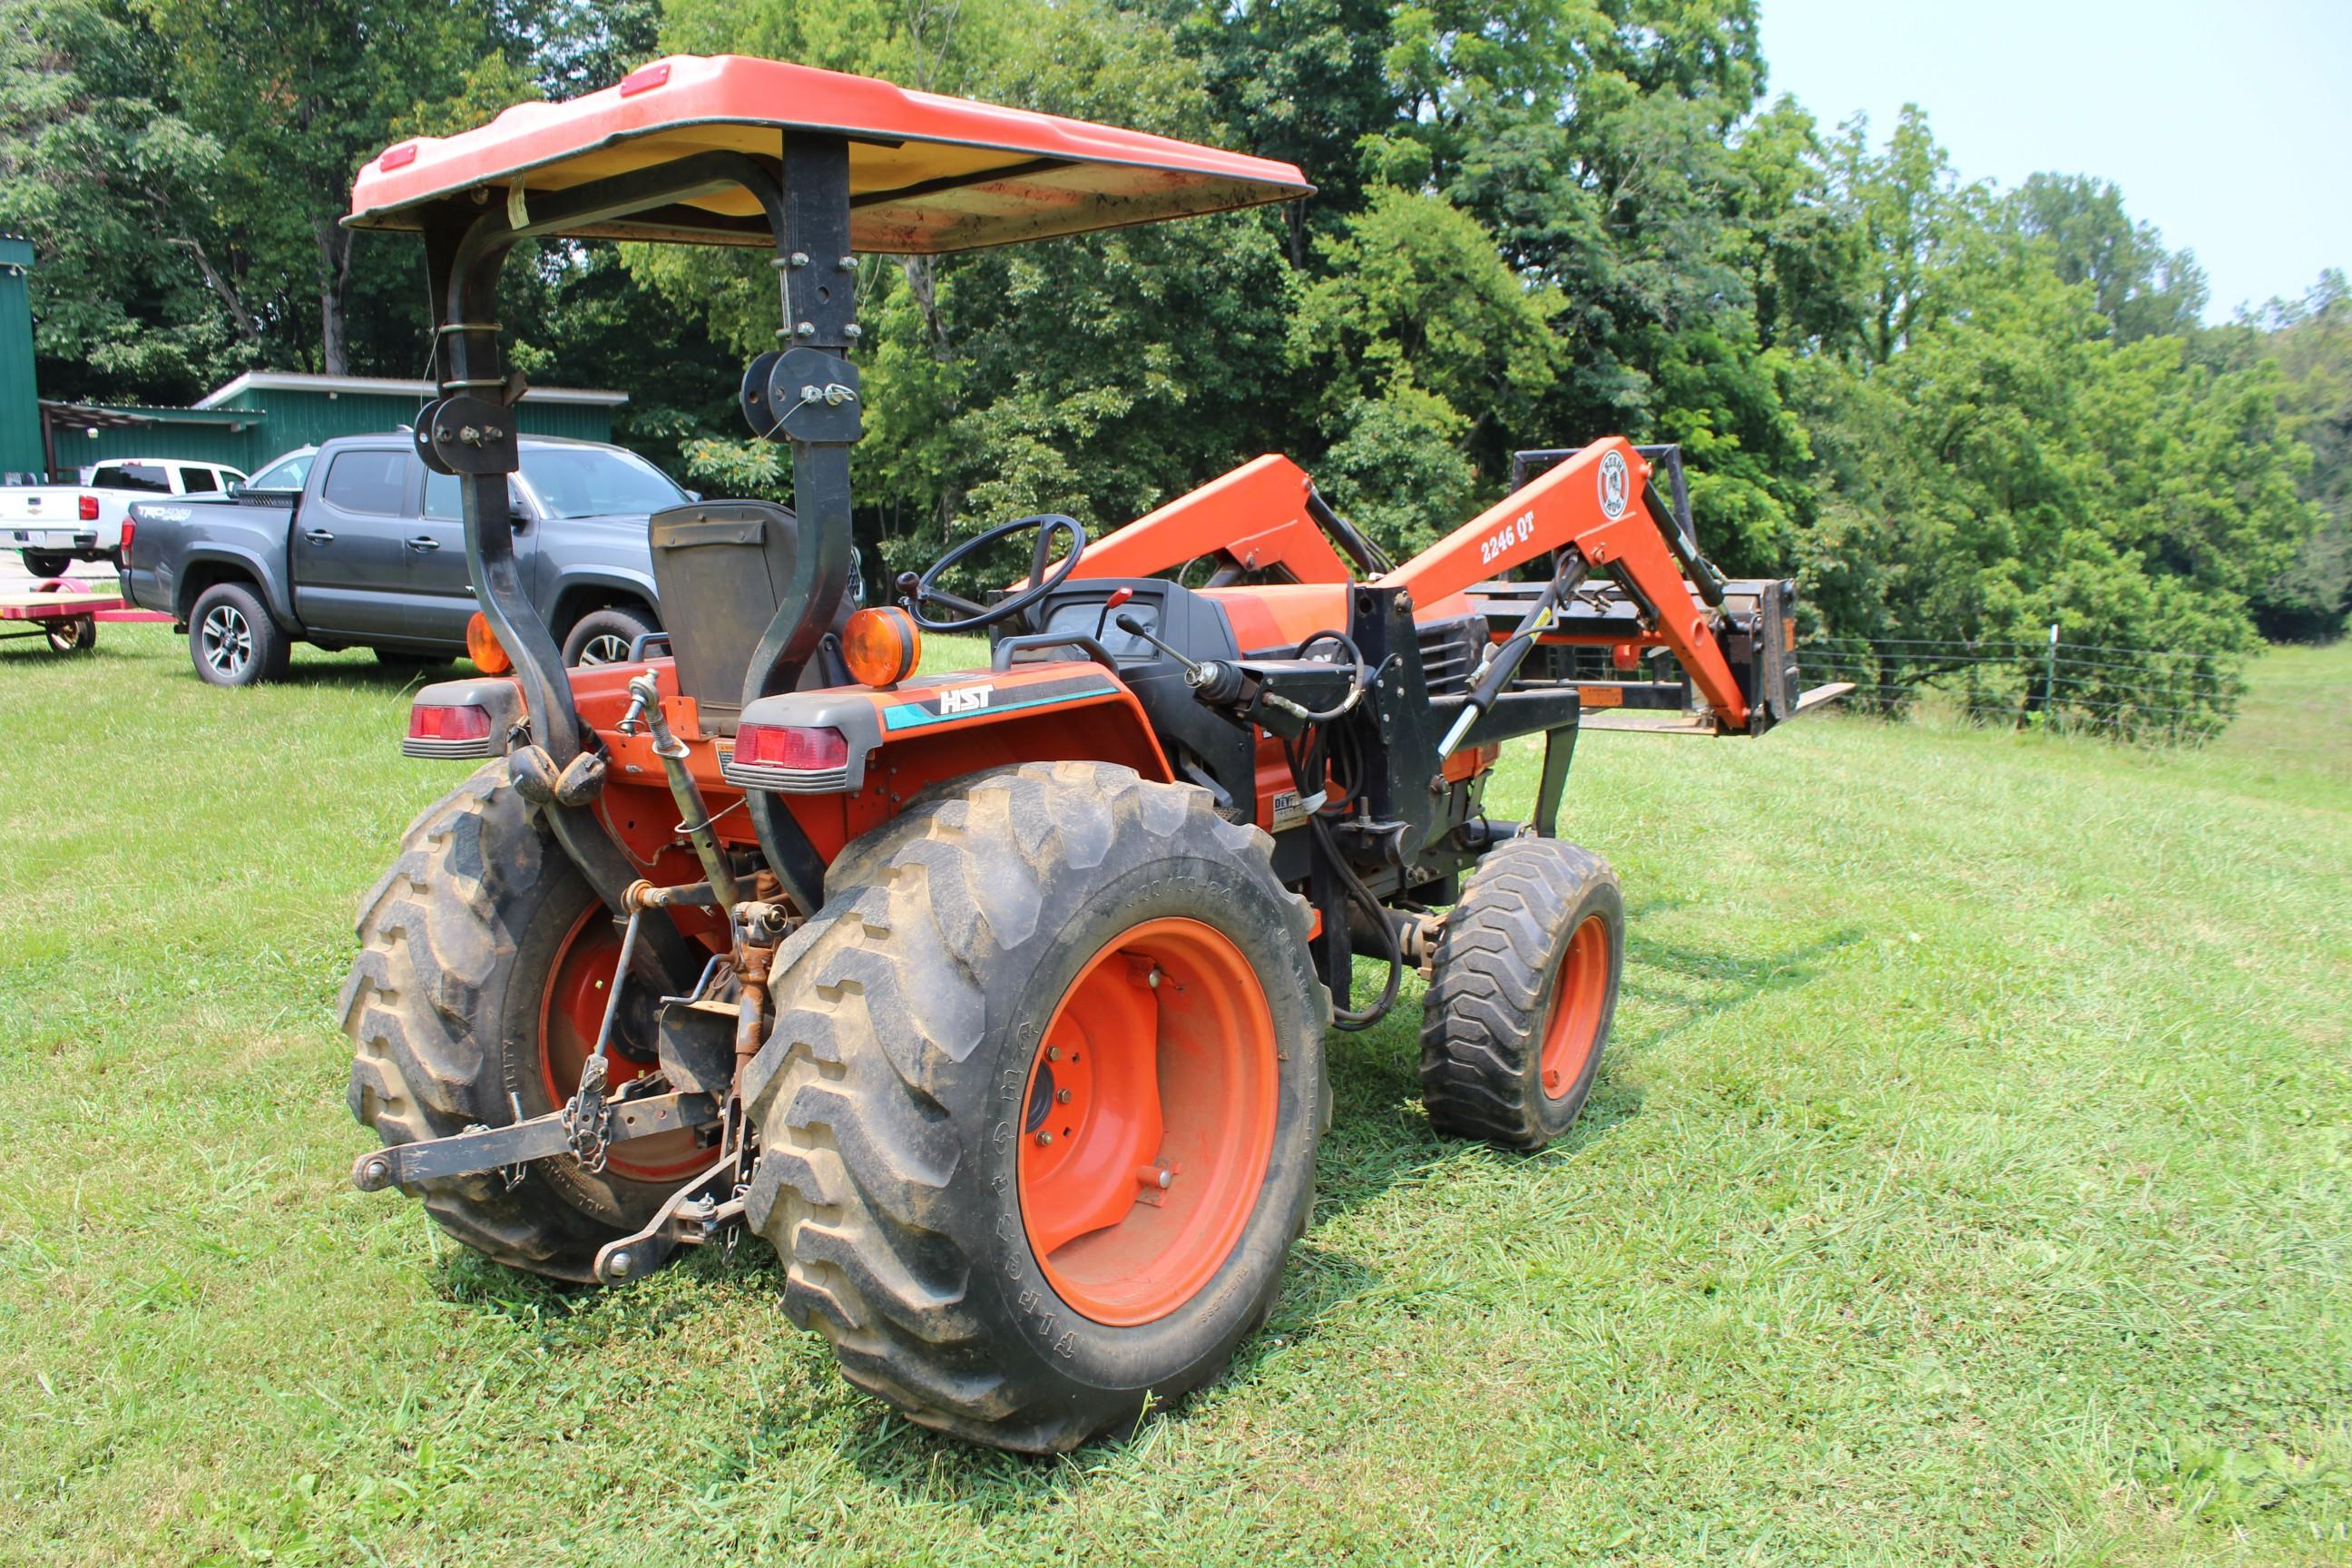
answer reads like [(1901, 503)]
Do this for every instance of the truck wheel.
[(1524, 988), (231, 639), (485, 963), (42, 563), (603, 637), (1039, 1111)]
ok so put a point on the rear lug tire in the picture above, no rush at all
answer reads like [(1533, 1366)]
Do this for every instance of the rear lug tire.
[(980, 954), (477, 977)]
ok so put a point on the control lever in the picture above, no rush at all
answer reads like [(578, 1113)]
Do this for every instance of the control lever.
[(1216, 681), (1119, 596)]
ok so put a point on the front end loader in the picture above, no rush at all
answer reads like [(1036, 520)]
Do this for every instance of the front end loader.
[(995, 1001)]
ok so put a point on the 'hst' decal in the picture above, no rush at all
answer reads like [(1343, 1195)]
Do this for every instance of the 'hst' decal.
[(952, 703)]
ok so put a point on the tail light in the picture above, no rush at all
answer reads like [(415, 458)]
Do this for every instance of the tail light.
[(467, 724), (449, 730), (793, 761), (129, 532), (89, 508)]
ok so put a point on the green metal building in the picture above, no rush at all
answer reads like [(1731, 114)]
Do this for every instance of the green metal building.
[(264, 412), (20, 411), (243, 423)]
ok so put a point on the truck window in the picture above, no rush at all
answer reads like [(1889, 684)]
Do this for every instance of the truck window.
[(373, 483), (285, 474), (132, 476), (441, 493), (593, 481)]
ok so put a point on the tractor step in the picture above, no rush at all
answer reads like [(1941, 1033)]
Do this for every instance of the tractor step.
[(519, 1143)]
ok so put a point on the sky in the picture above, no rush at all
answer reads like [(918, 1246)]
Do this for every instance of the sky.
[(2227, 126)]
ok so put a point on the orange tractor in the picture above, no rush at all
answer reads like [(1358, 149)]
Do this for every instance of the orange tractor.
[(994, 1000)]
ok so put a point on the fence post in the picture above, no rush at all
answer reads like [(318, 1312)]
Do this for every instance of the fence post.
[(2050, 678)]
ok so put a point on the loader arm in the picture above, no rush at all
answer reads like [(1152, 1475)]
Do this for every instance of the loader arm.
[(1258, 516), (1593, 506)]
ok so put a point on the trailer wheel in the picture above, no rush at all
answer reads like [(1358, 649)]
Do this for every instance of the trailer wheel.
[(232, 641), (1524, 989), (485, 963), (77, 634), (1039, 1113)]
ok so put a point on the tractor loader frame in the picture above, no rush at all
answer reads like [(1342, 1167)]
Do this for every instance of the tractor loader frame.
[(995, 1000)]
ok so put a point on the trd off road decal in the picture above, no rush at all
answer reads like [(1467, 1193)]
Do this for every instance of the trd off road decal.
[(952, 703)]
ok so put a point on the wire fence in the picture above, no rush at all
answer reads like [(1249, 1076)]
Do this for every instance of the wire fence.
[(2144, 694)]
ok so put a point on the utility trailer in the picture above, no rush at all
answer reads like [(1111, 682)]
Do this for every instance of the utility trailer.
[(59, 610), (995, 1001)]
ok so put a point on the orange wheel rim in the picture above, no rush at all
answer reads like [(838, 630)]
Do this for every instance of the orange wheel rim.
[(1148, 1122), (1573, 1023), (569, 1013)]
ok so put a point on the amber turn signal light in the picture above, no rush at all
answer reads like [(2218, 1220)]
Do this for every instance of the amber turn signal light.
[(881, 646), (482, 645)]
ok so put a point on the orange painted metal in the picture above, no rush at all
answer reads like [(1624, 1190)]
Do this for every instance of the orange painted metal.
[(636, 803), (1572, 1019), (926, 174), (1258, 514), (1565, 509), (1149, 1119), (570, 1013)]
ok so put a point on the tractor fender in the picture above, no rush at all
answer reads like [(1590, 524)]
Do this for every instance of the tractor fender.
[(935, 726)]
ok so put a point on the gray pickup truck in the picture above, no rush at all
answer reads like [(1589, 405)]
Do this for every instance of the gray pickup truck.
[(370, 551)]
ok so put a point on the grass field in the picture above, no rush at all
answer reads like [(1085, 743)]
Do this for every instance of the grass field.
[(1969, 1180)]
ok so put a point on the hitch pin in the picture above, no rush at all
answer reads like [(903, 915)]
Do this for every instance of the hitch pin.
[(634, 719)]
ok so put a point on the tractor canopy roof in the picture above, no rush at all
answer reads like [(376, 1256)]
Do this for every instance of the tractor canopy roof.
[(926, 174)]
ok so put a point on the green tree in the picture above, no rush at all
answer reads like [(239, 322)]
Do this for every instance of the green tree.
[(2078, 225)]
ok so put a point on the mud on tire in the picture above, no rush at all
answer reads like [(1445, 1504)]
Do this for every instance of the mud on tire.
[(1524, 990), (443, 1008), (890, 1095)]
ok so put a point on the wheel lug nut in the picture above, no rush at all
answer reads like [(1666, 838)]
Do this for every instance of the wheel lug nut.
[(1043, 1139), (1053, 1053), (1062, 1097)]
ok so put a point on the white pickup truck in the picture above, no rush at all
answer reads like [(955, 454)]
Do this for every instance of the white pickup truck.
[(55, 525)]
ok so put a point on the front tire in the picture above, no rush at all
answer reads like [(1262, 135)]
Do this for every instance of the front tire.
[(604, 636), (1522, 995), (232, 641), (1040, 1109), (485, 960)]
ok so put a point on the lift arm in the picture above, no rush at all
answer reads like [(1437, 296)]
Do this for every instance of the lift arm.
[(1592, 505)]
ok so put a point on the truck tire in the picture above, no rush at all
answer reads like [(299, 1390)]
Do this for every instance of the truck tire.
[(603, 637), (483, 968), (1522, 994), (42, 563), (1039, 1112), (232, 641)]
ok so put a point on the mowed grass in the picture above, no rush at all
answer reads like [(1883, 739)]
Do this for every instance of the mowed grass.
[(1968, 1180)]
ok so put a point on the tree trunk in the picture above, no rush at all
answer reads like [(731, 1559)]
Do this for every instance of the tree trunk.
[(335, 292), (922, 286)]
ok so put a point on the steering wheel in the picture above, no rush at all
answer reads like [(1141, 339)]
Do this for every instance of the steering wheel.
[(916, 591)]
